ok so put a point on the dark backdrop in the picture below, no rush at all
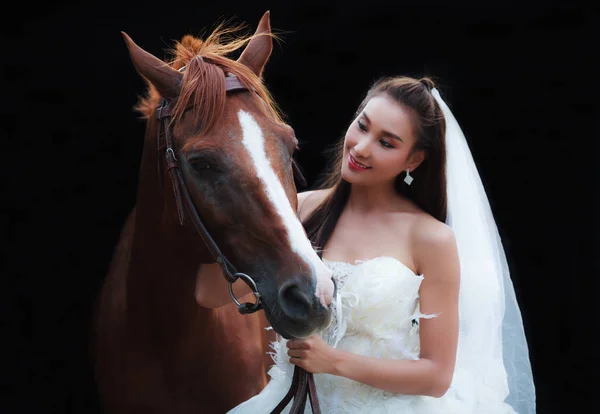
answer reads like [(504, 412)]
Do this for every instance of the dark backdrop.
[(519, 79)]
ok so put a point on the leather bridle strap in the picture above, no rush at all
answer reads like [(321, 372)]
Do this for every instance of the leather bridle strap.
[(179, 189), (303, 385), (232, 83)]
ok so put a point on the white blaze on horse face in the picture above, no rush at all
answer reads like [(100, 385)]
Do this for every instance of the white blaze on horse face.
[(253, 140)]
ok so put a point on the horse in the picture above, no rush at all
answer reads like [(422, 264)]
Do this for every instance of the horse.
[(216, 140)]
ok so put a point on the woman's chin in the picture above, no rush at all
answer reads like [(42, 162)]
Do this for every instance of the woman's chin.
[(350, 177), (347, 175)]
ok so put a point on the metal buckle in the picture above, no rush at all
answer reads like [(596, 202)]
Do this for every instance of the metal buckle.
[(172, 153), (247, 307)]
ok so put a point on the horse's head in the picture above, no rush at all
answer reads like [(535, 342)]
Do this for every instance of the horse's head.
[(235, 156)]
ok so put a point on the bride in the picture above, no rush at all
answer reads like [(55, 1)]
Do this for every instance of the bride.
[(426, 317)]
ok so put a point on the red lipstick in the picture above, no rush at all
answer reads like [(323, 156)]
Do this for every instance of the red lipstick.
[(355, 165)]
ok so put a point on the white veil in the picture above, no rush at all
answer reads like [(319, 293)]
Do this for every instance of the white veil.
[(492, 347)]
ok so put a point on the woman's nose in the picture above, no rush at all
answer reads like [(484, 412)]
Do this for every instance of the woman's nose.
[(362, 148)]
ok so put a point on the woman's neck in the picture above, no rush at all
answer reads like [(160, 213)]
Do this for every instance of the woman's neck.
[(373, 198)]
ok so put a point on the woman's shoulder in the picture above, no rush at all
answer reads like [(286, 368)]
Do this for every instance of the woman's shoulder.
[(419, 223), (427, 230), (308, 201), (433, 240)]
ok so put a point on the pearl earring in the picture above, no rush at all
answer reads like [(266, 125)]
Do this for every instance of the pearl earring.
[(408, 179)]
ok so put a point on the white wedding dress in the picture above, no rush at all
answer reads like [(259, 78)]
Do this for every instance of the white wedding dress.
[(377, 314)]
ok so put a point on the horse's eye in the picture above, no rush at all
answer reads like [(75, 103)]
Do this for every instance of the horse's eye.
[(201, 165)]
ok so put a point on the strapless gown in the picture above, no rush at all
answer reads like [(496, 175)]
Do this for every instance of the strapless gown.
[(377, 314)]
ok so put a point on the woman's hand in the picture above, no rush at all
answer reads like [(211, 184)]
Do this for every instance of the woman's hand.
[(313, 354)]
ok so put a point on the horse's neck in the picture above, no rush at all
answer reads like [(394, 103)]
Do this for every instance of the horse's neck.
[(161, 306)]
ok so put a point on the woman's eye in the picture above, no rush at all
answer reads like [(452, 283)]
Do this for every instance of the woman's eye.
[(386, 144), (362, 126)]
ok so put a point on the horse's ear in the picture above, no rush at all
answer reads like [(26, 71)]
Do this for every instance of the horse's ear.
[(259, 49), (164, 78)]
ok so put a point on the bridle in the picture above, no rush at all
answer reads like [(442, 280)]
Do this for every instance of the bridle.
[(182, 197), (303, 383)]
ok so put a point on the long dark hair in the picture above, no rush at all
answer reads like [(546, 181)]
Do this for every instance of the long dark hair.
[(428, 190)]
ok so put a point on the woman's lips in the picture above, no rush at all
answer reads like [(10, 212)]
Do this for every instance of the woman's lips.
[(355, 165)]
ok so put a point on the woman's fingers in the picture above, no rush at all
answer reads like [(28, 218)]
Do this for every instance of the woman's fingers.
[(298, 344), (296, 353)]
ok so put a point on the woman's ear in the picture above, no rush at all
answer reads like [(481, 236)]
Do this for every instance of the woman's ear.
[(415, 159)]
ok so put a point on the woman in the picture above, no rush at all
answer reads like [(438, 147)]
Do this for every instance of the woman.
[(421, 274)]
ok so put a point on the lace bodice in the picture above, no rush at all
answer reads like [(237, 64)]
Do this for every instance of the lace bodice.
[(381, 290)]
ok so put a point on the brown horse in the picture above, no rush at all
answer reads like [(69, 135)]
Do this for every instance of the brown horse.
[(157, 350)]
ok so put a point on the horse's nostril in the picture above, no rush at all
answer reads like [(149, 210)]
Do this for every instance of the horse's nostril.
[(294, 302)]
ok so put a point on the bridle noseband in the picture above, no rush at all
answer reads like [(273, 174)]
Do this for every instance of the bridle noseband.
[(180, 190)]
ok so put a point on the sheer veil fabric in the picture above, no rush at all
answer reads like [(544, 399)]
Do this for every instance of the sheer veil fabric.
[(492, 345)]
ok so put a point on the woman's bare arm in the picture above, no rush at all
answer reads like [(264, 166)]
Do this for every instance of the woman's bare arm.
[(308, 201)]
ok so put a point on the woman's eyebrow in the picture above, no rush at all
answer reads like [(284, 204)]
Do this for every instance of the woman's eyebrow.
[(383, 132)]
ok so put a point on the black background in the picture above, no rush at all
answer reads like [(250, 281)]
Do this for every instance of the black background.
[(519, 78)]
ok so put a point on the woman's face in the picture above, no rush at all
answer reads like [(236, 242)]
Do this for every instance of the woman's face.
[(378, 143)]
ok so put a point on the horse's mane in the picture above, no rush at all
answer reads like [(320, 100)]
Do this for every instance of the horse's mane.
[(203, 83)]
